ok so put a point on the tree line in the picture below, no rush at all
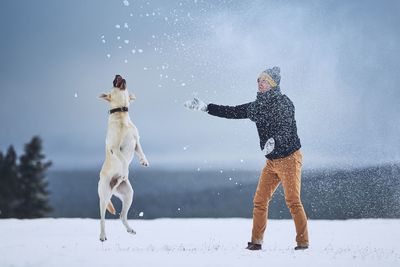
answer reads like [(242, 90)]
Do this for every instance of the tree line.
[(23, 183), (368, 192)]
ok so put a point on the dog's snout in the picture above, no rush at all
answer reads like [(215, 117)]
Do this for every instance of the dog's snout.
[(119, 82)]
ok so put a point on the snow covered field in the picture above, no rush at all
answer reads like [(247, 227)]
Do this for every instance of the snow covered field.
[(196, 242)]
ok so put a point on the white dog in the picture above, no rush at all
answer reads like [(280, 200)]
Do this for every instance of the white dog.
[(121, 142)]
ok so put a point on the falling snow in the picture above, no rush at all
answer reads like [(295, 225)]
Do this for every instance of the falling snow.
[(126, 3)]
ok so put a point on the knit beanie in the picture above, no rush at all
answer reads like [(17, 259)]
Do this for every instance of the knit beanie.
[(273, 76)]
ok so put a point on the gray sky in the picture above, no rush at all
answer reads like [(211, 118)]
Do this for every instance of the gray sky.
[(339, 64)]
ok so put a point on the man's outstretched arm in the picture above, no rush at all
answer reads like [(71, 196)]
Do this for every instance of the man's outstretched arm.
[(228, 112)]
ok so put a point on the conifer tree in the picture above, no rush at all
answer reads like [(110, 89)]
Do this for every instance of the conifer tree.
[(32, 194), (8, 183)]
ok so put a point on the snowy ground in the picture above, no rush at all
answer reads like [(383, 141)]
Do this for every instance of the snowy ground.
[(196, 242)]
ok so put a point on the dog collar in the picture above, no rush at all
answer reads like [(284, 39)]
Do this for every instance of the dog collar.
[(123, 109)]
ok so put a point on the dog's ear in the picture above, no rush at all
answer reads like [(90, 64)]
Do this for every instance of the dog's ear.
[(132, 97), (106, 97)]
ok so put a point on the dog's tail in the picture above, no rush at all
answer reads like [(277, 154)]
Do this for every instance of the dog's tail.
[(110, 208)]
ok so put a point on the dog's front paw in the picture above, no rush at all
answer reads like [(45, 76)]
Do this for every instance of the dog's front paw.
[(144, 162)]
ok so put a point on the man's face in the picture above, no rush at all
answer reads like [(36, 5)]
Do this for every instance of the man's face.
[(263, 85)]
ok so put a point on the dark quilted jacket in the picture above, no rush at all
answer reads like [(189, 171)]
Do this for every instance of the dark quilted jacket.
[(277, 121)]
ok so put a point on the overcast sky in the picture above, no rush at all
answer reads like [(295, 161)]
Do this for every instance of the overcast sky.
[(339, 64)]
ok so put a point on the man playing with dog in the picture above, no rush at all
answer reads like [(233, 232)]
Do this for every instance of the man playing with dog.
[(273, 113)]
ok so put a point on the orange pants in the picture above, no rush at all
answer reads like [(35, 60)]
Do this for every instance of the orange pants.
[(288, 171)]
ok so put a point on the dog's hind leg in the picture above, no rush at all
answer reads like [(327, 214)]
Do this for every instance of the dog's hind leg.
[(125, 193), (104, 192)]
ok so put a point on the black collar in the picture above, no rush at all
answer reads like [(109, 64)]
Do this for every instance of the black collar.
[(123, 109)]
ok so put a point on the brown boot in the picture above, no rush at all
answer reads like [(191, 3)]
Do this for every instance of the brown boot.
[(252, 246)]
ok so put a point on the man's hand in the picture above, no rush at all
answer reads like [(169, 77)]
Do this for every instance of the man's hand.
[(195, 104), (269, 146)]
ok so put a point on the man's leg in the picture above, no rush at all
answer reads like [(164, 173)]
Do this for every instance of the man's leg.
[(289, 172), (267, 184)]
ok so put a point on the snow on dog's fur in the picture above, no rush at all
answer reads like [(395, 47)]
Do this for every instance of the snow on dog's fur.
[(122, 142)]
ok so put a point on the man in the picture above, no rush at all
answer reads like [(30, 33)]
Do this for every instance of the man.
[(273, 113)]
